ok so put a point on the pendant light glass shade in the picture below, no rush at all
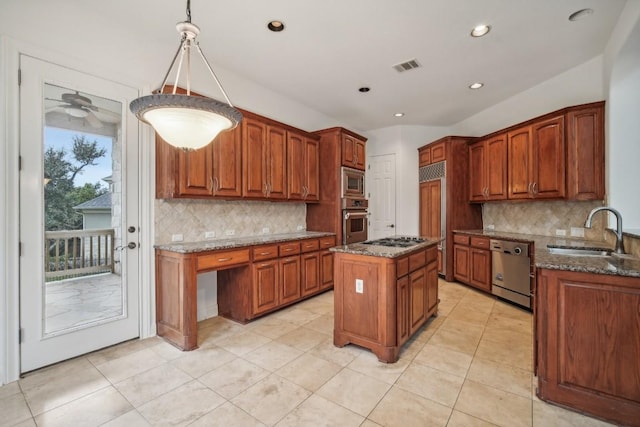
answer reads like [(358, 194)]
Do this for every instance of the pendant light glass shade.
[(184, 120)]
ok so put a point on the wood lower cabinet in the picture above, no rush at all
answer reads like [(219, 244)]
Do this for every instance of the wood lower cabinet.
[(472, 259), (588, 345), (310, 273), (326, 269), (266, 279), (289, 279), (381, 302)]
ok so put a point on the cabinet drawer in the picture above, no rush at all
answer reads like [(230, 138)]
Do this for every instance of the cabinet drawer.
[(286, 249), (480, 242), (309, 245), (265, 252), (432, 254), (220, 259), (402, 267), (461, 239), (327, 242), (417, 260)]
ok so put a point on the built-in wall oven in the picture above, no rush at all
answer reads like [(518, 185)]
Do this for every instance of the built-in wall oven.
[(355, 220)]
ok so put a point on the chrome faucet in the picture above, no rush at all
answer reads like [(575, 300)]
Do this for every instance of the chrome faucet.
[(587, 224)]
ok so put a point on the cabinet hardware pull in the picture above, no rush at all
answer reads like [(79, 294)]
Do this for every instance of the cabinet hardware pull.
[(265, 253), (224, 259), (535, 188)]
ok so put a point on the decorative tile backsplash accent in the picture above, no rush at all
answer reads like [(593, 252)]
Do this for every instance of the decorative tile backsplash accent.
[(543, 217), (192, 218)]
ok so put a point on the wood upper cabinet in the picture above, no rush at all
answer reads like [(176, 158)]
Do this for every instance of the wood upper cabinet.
[(264, 152), (432, 153), (227, 164), (488, 169), (211, 171), (353, 152), (585, 153), (536, 160), (302, 167)]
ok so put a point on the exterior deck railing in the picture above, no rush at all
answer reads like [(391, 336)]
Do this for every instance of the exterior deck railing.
[(73, 253)]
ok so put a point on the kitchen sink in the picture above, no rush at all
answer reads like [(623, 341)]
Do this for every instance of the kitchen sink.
[(575, 251)]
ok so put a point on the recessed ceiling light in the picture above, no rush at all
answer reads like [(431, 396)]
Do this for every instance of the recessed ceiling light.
[(364, 89), (399, 114), (480, 30), (276, 26), (582, 13), (477, 85)]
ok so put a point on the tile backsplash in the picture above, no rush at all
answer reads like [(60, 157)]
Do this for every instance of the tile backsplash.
[(543, 217), (192, 218)]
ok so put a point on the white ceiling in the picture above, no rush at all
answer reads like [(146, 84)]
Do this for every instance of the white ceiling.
[(331, 48)]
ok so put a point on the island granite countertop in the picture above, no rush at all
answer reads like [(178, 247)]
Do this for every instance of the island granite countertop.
[(238, 242), (625, 265), (383, 251)]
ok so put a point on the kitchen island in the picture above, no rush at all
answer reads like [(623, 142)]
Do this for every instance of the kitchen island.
[(383, 293)]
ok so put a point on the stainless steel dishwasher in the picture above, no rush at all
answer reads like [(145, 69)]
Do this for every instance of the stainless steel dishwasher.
[(510, 267)]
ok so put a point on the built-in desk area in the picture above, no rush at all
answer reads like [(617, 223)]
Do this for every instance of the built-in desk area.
[(256, 275)]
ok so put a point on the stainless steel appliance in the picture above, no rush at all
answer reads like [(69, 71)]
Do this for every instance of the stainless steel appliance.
[(510, 266), (355, 220), (352, 183)]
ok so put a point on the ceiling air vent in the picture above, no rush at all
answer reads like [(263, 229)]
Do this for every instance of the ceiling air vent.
[(406, 66)]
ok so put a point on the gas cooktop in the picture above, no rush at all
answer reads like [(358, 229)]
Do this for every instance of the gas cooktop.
[(396, 242)]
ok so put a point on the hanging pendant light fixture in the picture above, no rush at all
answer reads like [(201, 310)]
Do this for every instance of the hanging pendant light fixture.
[(186, 121)]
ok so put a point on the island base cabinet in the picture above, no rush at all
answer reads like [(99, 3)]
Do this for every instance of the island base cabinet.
[(588, 346), (380, 302)]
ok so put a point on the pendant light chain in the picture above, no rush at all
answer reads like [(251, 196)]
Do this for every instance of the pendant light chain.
[(189, 11)]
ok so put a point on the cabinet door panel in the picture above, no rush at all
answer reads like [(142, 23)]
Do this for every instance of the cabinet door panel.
[(480, 274), (310, 273), (254, 158), (432, 285), (519, 163), (431, 208), (195, 171), (360, 155), (548, 158), (585, 154), (417, 299), (295, 165), (289, 279), (496, 168), (326, 272), (461, 263), (227, 164), (477, 171), (277, 158), (403, 309), (265, 286), (312, 169)]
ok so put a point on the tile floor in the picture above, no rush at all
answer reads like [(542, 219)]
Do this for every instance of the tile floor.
[(470, 366)]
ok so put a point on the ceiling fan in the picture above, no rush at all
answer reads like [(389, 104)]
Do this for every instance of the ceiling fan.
[(76, 105)]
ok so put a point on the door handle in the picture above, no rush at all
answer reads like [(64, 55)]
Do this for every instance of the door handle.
[(132, 245), (131, 229)]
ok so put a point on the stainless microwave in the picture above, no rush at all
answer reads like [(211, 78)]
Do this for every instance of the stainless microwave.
[(352, 183)]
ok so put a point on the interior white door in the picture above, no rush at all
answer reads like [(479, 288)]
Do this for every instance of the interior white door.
[(78, 214), (381, 182)]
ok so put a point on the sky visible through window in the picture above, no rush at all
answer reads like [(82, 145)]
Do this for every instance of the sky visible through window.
[(63, 138)]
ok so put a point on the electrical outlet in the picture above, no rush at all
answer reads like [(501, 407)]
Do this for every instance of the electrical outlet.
[(577, 232), (489, 227), (209, 234), (229, 232), (265, 230), (359, 286), (177, 237), (561, 232)]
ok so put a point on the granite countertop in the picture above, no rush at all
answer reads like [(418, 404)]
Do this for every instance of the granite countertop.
[(238, 242), (383, 251), (613, 265)]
